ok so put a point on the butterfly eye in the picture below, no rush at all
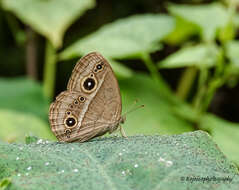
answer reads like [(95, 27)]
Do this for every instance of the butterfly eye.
[(70, 122), (68, 133), (89, 84), (99, 66), (76, 102), (82, 99)]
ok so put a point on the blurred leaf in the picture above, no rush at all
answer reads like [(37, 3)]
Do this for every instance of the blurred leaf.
[(227, 33), (50, 18), (120, 70), (5, 182), (31, 139), (224, 133), (23, 95), (200, 56), (157, 117), (123, 38), (232, 69), (14, 126), (182, 31), (208, 17), (236, 20), (141, 162), (186, 112), (232, 51)]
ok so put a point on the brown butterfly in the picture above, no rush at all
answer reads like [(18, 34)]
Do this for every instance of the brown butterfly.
[(91, 106)]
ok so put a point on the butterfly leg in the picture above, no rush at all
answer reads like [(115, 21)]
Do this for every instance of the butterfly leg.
[(122, 131)]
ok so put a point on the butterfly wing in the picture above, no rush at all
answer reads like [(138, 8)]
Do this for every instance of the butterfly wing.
[(92, 80), (63, 114)]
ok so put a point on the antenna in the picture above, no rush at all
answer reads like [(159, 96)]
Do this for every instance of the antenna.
[(123, 117), (132, 108)]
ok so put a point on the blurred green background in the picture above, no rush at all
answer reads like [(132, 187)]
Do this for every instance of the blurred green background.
[(179, 58)]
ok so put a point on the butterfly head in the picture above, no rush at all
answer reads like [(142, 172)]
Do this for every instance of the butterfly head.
[(122, 119)]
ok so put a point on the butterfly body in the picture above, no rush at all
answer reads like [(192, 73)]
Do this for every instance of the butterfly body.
[(91, 105)]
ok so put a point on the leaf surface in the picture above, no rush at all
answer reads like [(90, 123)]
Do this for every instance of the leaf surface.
[(140, 162), (224, 133)]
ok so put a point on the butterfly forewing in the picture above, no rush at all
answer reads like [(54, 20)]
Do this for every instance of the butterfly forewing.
[(91, 106)]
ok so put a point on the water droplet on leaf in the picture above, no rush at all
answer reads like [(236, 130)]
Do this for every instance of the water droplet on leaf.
[(29, 168), (75, 170), (39, 141), (169, 163), (161, 159)]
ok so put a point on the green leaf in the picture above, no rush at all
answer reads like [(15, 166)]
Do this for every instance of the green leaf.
[(23, 95), (199, 55), (182, 31), (120, 70), (208, 17), (232, 69), (158, 115), (236, 20), (224, 133), (140, 162), (4, 183), (16, 125), (50, 18), (232, 51), (31, 139), (228, 32), (123, 38)]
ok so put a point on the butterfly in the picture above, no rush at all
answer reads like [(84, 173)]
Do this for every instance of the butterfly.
[(91, 106)]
